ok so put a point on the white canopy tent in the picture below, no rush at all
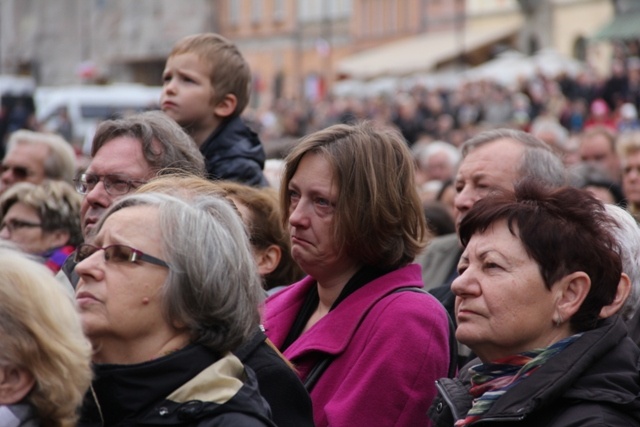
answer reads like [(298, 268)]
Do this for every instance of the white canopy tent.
[(511, 66)]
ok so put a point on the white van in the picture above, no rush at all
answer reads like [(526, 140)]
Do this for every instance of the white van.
[(89, 105)]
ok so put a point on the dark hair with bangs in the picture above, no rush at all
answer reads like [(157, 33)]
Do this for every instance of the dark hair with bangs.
[(378, 219), (564, 230)]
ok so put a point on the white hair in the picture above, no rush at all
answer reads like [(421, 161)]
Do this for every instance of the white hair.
[(627, 235), (453, 153)]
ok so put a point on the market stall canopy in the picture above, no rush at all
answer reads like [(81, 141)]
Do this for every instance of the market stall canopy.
[(623, 27), (420, 53)]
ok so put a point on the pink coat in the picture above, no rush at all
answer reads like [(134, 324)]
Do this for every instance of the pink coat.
[(389, 350)]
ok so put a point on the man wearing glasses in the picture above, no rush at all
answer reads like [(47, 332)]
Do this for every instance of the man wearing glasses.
[(126, 153), (34, 157)]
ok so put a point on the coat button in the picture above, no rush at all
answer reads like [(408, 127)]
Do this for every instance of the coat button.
[(190, 410), (439, 407)]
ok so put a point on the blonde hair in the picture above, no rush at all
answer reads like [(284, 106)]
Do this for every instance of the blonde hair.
[(628, 144), (229, 71), (41, 333)]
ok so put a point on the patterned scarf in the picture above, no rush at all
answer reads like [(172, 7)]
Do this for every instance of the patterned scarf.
[(54, 258), (490, 381)]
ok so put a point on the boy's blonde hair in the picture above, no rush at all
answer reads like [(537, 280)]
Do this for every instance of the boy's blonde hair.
[(229, 71)]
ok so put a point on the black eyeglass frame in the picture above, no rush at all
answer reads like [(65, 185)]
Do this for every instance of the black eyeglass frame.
[(15, 224), (135, 255), (83, 186)]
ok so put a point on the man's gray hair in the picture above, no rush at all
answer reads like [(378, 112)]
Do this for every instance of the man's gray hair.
[(177, 153), (539, 162)]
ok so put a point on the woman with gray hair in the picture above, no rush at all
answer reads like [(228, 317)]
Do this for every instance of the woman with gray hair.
[(167, 290)]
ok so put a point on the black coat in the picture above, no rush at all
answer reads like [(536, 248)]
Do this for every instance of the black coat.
[(234, 152), (279, 384), (593, 382), (191, 387)]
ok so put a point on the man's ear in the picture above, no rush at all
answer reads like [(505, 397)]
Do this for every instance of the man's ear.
[(268, 259), (226, 106), (622, 293), (15, 384), (573, 290)]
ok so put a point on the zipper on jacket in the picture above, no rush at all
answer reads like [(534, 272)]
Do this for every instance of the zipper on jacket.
[(456, 415), (448, 401), (95, 399)]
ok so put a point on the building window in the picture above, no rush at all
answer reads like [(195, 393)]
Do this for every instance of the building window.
[(580, 48), (256, 11), (234, 12), (278, 10)]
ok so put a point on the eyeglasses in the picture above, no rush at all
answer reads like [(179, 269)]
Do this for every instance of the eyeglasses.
[(19, 172), (15, 224), (116, 254), (115, 185)]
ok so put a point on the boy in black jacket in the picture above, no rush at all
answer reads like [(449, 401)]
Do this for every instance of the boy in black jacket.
[(205, 89)]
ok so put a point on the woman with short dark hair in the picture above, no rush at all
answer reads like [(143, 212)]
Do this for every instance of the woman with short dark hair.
[(538, 267)]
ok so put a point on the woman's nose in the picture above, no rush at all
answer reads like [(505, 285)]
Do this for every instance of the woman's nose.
[(90, 266), (465, 284), (297, 216), (464, 200)]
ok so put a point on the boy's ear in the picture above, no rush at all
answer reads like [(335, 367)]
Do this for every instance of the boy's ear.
[(227, 106)]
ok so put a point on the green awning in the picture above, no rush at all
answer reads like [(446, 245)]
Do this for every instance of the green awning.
[(622, 27)]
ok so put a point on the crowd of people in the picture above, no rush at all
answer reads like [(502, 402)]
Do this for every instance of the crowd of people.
[(450, 258)]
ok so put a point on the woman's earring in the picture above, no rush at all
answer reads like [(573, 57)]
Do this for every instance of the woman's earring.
[(558, 322)]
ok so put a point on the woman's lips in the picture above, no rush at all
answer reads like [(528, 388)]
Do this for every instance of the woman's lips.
[(85, 298)]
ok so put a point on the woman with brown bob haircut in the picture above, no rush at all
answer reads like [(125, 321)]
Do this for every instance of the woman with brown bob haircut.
[(356, 223)]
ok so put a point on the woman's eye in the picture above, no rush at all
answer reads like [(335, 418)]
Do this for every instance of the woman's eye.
[(293, 195), (323, 202), (491, 265)]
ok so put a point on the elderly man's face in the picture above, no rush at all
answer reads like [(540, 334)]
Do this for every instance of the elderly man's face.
[(123, 157), (24, 163), (485, 169)]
